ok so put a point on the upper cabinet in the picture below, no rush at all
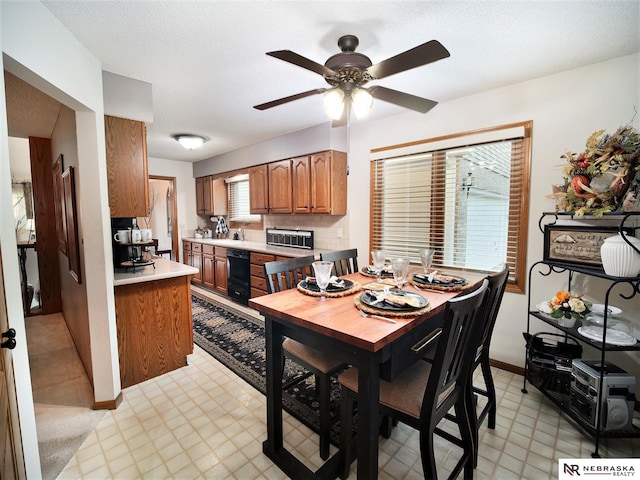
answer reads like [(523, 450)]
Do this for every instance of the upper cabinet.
[(127, 173), (270, 188), (320, 183), (211, 196)]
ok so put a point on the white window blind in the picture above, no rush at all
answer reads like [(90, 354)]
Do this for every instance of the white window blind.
[(466, 202), (238, 197)]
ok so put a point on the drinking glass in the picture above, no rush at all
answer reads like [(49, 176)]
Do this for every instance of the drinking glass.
[(377, 257), (323, 275), (400, 267), (426, 257)]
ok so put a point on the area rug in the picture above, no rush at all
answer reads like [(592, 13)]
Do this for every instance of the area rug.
[(237, 340)]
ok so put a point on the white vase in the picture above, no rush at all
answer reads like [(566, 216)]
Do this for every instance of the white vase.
[(619, 259)]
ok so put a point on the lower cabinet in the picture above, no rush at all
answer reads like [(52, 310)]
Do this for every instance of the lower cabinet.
[(258, 279), (220, 269), (208, 266), (154, 328), (211, 262)]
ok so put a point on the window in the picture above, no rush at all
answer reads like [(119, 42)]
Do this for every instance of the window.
[(238, 197), (465, 195)]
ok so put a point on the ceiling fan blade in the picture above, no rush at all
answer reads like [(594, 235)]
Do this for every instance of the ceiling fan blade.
[(421, 55), (299, 60), (402, 99), (297, 96)]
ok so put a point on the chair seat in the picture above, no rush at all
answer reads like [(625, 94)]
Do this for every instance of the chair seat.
[(320, 361)]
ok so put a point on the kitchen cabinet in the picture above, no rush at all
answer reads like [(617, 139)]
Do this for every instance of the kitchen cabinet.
[(220, 260), (127, 171), (320, 183), (270, 188), (208, 266), (587, 402), (310, 184), (211, 196), (256, 267), (192, 255), (154, 328)]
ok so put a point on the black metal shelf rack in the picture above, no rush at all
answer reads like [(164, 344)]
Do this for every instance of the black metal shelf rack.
[(626, 289)]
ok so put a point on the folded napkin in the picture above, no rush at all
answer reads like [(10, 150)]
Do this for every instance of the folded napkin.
[(335, 281)]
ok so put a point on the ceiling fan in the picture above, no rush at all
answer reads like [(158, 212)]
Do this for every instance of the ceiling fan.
[(347, 73)]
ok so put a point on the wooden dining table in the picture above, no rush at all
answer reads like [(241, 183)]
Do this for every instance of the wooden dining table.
[(379, 349)]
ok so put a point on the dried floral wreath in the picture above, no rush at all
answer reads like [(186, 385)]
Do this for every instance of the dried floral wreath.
[(605, 177)]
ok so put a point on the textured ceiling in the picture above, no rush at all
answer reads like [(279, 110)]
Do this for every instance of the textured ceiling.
[(207, 64)]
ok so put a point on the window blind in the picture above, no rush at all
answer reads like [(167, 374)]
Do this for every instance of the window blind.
[(466, 202), (238, 206)]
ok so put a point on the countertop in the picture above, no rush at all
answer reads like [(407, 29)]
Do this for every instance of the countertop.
[(164, 268), (259, 247)]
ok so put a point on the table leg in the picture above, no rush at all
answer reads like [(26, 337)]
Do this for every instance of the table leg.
[(368, 418), (274, 358)]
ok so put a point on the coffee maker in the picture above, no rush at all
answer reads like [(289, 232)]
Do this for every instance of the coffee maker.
[(128, 253)]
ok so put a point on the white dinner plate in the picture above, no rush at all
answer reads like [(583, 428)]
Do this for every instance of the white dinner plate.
[(614, 337), (543, 307), (599, 308)]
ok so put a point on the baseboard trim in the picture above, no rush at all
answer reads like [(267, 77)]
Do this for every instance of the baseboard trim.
[(108, 404), (507, 367)]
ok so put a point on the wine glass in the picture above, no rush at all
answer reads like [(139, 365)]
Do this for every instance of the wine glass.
[(400, 267), (426, 257), (378, 262), (323, 276)]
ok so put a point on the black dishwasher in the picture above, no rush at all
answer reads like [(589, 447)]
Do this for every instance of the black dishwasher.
[(238, 275)]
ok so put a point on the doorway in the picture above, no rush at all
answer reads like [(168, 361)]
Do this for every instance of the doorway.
[(163, 215)]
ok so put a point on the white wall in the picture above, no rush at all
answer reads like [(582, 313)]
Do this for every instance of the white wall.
[(39, 50), (565, 108)]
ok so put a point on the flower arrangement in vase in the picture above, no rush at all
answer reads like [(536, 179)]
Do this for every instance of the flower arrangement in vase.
[(568, 308), (605, 177)]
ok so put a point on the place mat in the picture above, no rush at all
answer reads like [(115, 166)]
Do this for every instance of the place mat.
[(329, 294), (381, 285), (389, 313), (368, 272), (461, 285)]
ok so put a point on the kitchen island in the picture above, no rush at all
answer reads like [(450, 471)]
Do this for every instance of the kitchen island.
[(153, 319)]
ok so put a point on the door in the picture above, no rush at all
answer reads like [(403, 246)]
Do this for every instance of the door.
[(280, 195), (321, 183), (11, 457), (258, 190), (163, 214), (301, 178)]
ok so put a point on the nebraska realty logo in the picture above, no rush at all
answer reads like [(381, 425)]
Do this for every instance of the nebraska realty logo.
[(595, 468)]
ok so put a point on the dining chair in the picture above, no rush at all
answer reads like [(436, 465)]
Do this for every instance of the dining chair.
[(421, 395), (344, 261), (495, 292), (283, 275)]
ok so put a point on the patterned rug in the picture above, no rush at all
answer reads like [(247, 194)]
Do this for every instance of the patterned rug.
[(236, 339)]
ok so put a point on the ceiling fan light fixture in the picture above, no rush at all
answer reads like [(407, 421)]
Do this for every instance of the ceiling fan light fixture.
[(361, 102), (189, 141), (334, 103)]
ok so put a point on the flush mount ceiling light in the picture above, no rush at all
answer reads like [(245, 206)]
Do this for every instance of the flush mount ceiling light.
[(190, 142)]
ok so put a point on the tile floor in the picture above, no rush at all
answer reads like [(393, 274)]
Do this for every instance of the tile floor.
[(202, 421)]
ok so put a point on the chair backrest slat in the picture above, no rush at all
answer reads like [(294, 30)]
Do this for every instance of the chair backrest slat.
[(344, 261), (285, 274)]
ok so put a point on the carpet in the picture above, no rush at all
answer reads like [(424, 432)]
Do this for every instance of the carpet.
[(62, 393), (237, 340)]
